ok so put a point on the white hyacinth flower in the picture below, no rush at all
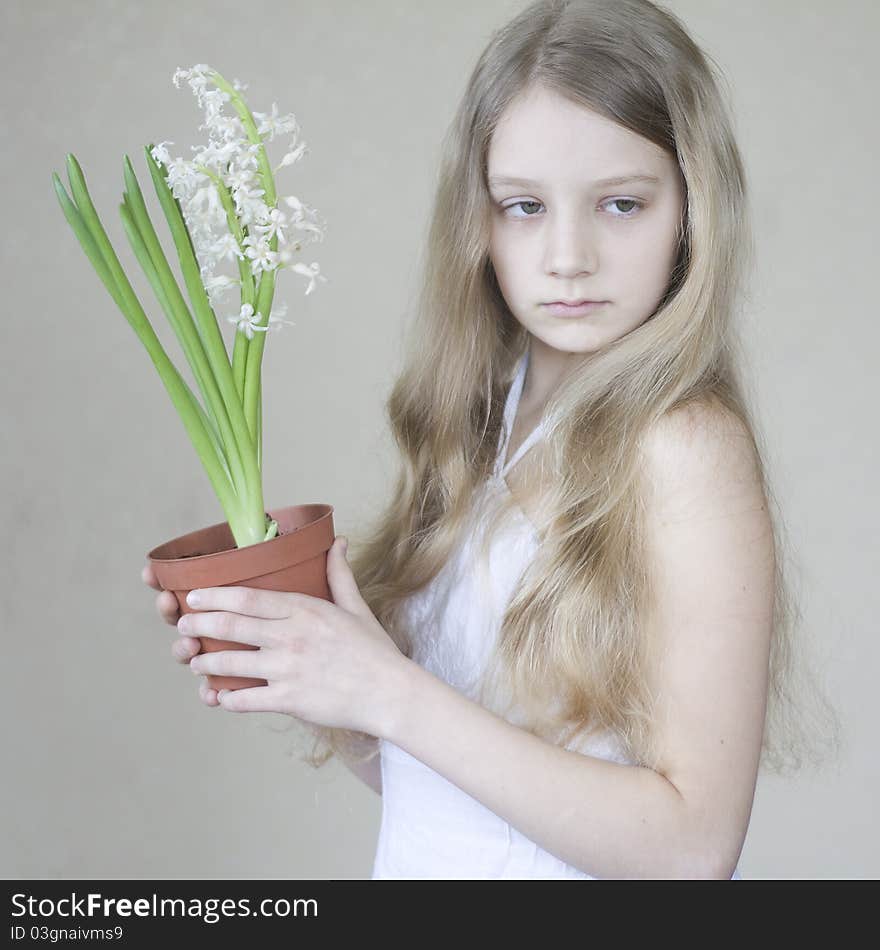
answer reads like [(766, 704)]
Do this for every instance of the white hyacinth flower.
[(231, 159), (273, 125), (226, 248), (294, 155), (219, 285), (261, 255), (310, 271), (246, 321), (160, 153), (276, 315), (277, 221)]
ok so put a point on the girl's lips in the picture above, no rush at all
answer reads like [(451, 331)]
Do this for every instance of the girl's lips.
[(580, 310)]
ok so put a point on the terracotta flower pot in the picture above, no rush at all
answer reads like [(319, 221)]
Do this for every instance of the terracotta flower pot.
[(295, 561)]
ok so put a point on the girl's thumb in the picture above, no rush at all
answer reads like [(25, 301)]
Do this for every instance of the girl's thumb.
[(343, 586)]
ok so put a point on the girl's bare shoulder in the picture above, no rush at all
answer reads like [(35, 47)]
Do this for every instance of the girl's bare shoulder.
[(700, 442)]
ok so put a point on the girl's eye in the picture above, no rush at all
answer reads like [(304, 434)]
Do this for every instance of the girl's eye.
[(638, 205), (519, 204), (624, 213)]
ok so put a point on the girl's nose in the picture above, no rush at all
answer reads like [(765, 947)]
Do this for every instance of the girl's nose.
[(572, 249)]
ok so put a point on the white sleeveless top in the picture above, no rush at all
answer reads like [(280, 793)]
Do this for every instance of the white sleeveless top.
[(430, 828)]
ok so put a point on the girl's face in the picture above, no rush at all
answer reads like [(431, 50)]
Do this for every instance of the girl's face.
[(559, 234)]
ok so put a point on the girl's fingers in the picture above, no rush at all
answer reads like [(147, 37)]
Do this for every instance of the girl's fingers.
[(169, 611), (185, 648), (166, 602), (148, 576), (207, 694)]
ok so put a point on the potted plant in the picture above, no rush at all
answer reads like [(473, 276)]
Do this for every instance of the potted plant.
[(220, 206)]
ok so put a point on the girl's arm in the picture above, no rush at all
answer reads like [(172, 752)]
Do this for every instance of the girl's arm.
[(711, 549)]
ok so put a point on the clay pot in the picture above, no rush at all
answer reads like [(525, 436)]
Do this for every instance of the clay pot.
[(295, 561)]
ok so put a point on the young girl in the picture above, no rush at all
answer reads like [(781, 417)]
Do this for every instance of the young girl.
[(578, 572)]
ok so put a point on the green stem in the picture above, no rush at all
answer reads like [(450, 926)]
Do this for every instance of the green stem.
[(254, 371), (210, 332), (260, 434), (265, 293), (248, 289)]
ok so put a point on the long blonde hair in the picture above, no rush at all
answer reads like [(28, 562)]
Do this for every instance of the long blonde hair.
[(571, 650)]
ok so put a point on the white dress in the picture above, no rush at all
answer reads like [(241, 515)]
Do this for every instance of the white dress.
[(430, 828)]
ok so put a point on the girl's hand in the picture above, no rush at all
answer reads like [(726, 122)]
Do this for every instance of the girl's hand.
[(183, 649), (331, 664)]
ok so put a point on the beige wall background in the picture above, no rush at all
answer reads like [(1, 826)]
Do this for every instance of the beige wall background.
[(112, 766)]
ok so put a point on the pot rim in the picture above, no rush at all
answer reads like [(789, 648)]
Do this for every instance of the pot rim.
[(311, 535)]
